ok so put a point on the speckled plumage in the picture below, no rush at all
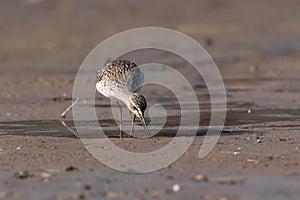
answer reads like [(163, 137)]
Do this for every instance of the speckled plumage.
[(119, 77)]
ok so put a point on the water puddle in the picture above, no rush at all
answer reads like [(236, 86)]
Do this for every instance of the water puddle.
[(238, 121)]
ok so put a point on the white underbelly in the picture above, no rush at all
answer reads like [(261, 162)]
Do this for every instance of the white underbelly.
[(114, 92), (104, 90)]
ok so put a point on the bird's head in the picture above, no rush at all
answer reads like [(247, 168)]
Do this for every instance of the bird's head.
[(137, 105)]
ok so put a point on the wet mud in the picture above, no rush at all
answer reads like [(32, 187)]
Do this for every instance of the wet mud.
[(255, 45)]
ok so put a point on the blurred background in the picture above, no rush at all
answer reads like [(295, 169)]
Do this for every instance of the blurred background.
[(43, 43)]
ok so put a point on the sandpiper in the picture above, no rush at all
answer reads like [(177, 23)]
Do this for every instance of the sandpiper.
[(121, 80)]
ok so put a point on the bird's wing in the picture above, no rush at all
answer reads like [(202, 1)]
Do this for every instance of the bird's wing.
[(121, 75), (132, 78)]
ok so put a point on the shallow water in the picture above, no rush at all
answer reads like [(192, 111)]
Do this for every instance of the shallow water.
[(238, 121)]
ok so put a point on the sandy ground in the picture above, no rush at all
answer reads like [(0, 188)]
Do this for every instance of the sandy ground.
[(256, 46)]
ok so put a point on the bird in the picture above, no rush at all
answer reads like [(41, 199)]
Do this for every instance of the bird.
[(121, 80)]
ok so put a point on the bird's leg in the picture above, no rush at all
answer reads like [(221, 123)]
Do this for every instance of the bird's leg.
[(120, 112), (132, 123)]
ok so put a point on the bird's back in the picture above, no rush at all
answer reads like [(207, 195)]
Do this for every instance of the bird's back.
[(119, 76)]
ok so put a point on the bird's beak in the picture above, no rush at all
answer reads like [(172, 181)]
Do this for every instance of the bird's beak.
[(141, 117)]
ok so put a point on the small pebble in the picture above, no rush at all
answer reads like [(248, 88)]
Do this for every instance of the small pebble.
[(201, 177), (22, 174), (85, 186), (176, 187), (45, 175), (18, 148), (249, 111), (71, 168), (252, 160)]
